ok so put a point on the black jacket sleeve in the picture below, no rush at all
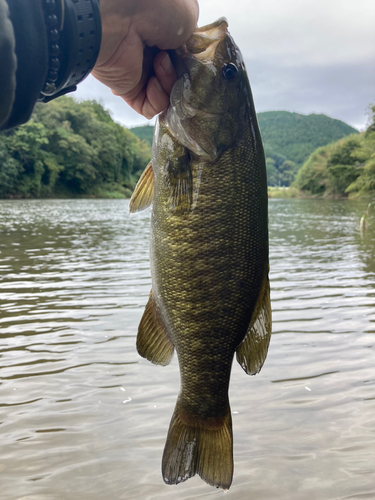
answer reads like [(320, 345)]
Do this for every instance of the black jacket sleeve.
[(42, 56), (8, 63), (31, 55)]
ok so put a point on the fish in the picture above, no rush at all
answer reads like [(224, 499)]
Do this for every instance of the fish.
[(210, 296)]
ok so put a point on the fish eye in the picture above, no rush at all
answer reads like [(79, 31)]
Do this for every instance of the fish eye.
[(230, 71)]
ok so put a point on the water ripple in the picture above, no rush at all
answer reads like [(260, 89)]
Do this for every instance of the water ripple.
[(83, 416)]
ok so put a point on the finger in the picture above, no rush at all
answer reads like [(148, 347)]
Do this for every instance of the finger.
[(175, 23), (150, 101), (139, 104), (156, 98), (165, 71)]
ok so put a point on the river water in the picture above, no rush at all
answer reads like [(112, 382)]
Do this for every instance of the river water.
[(82, 416)]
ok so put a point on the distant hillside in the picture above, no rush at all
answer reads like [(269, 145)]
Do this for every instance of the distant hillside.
[(144, 132), (292, 135), (288, 138), (296, 136)]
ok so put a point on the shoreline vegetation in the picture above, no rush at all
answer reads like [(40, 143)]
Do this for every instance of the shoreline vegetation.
[(118, 192), (69, 150), (293, 192), (73, 149)]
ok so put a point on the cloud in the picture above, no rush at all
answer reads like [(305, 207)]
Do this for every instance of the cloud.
[(92, 89), (307, 56), (315, 30), (332, 89)]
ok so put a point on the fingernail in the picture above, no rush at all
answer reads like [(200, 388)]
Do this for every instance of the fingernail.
[(167, 65)]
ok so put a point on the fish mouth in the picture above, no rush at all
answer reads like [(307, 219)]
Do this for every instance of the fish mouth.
[(201, 47), (204, 41), (202, 44)]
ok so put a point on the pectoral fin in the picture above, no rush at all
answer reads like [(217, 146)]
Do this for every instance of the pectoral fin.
[(252, 351), (153, 342), (144, 191), (179, 182)]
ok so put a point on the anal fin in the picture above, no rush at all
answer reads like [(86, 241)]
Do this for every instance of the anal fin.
[(144, 191), (153, 342), (252, 351)]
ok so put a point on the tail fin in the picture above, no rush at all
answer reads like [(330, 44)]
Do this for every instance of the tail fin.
[(204, 447)]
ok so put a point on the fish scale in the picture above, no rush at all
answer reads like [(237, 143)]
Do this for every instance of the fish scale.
[(211, 262)]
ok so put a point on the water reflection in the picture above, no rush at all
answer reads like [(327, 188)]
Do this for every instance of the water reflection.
[(82, 416), (367, 252)]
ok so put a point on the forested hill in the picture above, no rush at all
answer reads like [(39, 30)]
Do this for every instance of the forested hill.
[(70, 149), (144, 132), (288, 138), (296, 136), (292, 135), (345, 167)]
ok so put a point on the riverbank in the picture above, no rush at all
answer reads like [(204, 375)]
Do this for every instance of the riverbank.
[(118, 191), (111, 190), (284, 192), (293, 192)]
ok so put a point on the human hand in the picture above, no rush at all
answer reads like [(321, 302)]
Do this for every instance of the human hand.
[(141, 75)]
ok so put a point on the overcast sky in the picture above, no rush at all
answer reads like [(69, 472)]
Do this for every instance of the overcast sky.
[(307, 56)]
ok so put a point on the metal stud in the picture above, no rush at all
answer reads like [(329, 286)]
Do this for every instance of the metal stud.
[(49, 88)]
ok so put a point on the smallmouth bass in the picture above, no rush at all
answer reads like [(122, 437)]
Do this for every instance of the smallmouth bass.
[(210, 293)]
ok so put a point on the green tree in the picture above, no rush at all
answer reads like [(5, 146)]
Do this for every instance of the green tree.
[(371, 117), (10, 169), (342, 165), (364, 155), (70, 148), (77, 157), (287, 172), (26, 146), (144, 132), (272, 172), (312, 176), (280, 171)]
